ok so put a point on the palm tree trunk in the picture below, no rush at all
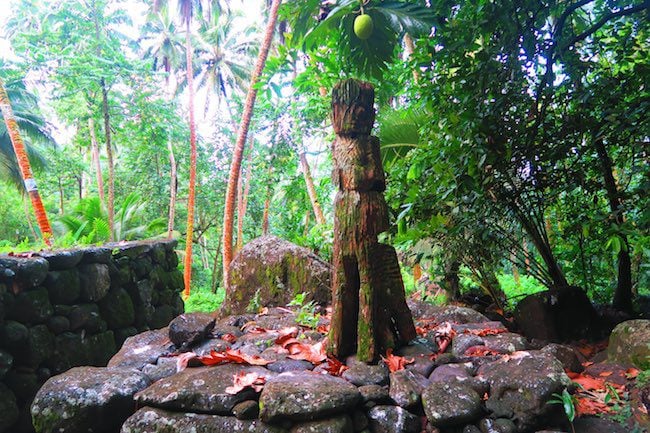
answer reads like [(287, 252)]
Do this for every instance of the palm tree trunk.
[(623, 295), (187, 271), (173, 182), (24, 165), (109, 155), (311, 189), (238, 151), (265, 215), (96, 161), (243, 201)]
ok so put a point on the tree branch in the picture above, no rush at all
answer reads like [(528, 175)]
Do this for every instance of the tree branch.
[(604, 20)]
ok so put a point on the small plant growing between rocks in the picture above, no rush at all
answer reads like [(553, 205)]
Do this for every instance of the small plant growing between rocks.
[(254, 304), (306, 315), (566, 400)]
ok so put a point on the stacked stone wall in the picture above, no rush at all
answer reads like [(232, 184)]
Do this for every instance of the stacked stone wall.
[(61, 309)]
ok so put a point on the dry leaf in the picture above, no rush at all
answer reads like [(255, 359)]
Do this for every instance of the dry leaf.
[(485, 332), (232, 356), (302, 351), (242, 380), (183, 359), (394, 362), (229, 338), (335, 367)]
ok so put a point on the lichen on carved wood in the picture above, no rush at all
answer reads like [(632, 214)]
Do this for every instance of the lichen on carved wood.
[(369, 313)]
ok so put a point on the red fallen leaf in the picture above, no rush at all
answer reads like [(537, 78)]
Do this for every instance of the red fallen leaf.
[(485, 332), (587, 364), (586, 405), (183, 359), (605, 374), (323, 329), (631, 373), (590, 383), (252, 328), (242, 380), (286, 334), (443, 334), (394, 362), (229, 338), (232, 356), (480, 351), (334, 367), (303, 351)]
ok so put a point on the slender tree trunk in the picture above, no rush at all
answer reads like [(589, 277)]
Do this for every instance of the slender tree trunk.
[(242, 202), (107, 132), (311, 189), (28, 218), (215, 268), (238, 151), (24, 165), (109, 156), (623, 295), (451, 280), (187, 271), (61, 210), (173, 184), (541, 243), (96, 161), (409, 48), (265, 215)]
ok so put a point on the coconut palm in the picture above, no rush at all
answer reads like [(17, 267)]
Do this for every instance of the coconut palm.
[(225, 55), (20, 154), (33, 128)]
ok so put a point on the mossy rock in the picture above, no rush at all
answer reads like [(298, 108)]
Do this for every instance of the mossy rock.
[(629, 343), (270, 271)]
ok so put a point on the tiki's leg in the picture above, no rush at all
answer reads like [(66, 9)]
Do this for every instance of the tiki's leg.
[(342, 336), (366, 330)]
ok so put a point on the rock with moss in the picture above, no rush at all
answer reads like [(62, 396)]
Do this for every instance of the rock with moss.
[(87, 399), (270, 271), (150, 419), (629, 343)]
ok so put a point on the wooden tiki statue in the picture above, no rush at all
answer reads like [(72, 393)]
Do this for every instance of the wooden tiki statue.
[(369, 311)]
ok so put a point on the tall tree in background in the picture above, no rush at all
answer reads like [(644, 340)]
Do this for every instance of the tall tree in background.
[(24, 165), (187, 9), (235, 167)]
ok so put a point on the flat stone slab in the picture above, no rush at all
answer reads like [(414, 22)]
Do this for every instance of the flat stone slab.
[(142, 349), (87, 399), (200, 390), (189, 329), (148, 420), (306, 396)]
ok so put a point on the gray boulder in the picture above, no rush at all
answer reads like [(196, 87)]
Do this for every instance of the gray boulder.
[(86, 399), (200, 389), (270, 271), (521, 385), (629, 343), (406, 387), (393, 419), (142, 349), (339, 424), (306, 396), (451, 404), (147, 420)]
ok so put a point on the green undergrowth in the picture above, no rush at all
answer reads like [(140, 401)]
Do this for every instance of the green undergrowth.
[(204, 300)]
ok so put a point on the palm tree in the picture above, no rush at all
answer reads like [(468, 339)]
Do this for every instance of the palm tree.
[(24, 165), (32, 126), (235, 166), (163, 45), (225, 54)]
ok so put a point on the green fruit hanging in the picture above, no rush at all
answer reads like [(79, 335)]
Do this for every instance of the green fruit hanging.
[(363, 26)]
